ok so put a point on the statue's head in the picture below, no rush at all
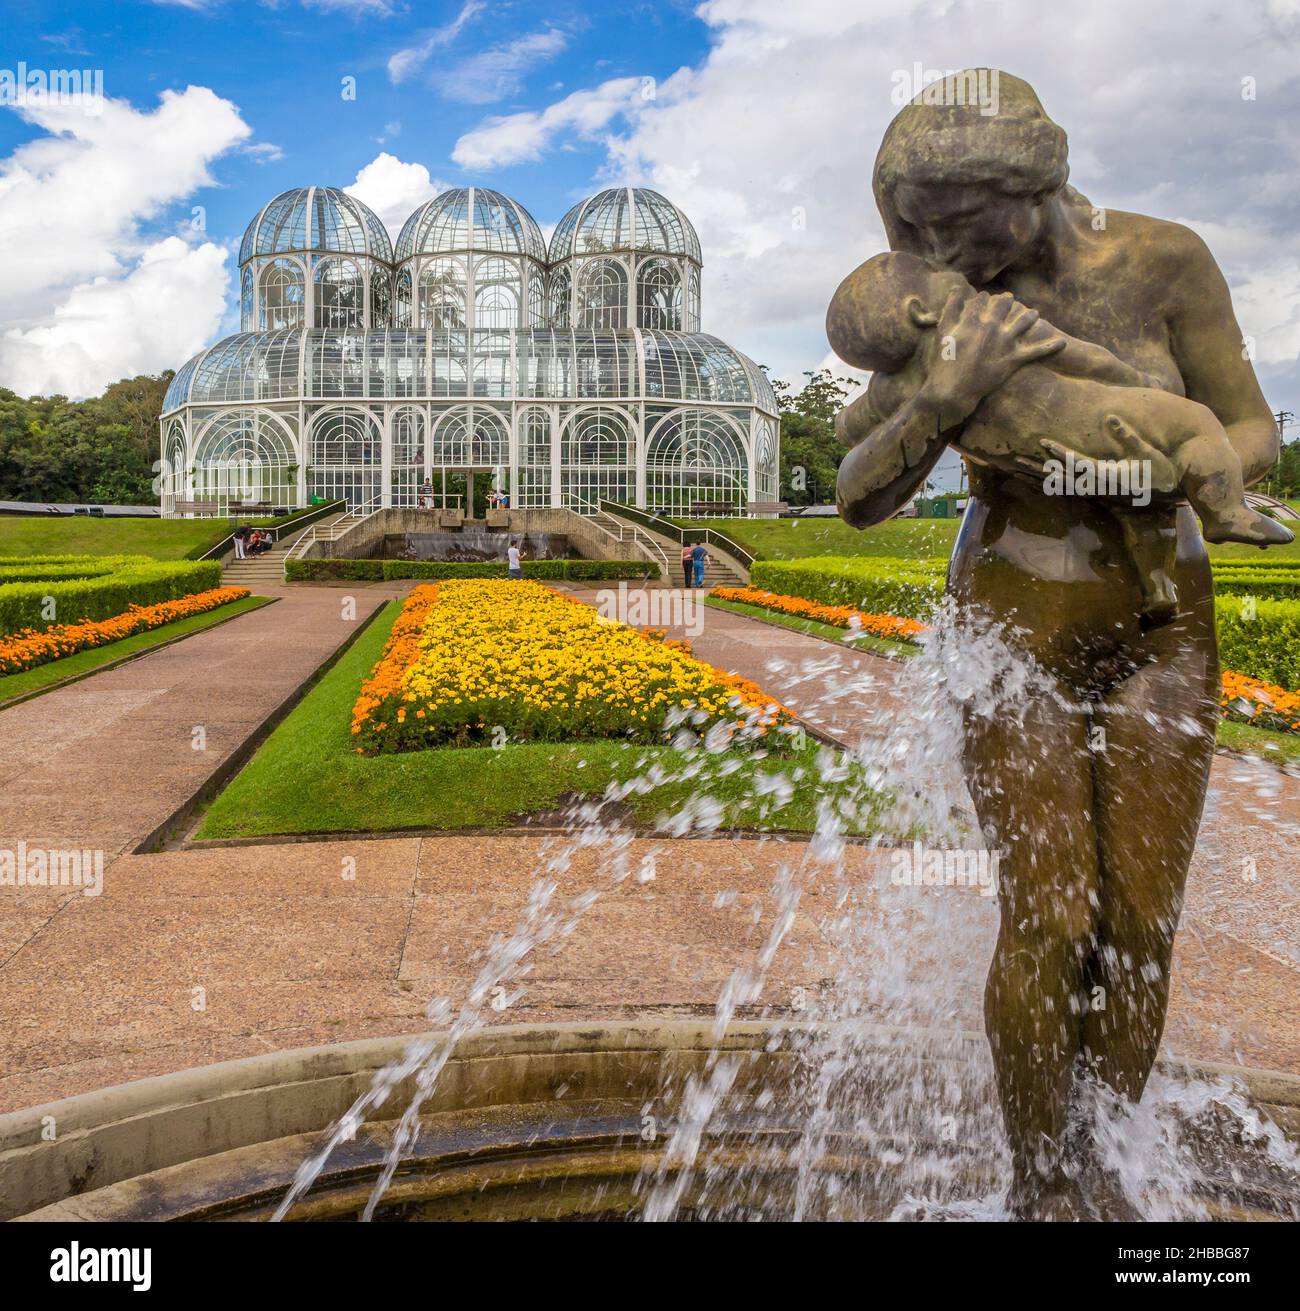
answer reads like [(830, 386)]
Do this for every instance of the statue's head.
[(883, 309), (964, 180)]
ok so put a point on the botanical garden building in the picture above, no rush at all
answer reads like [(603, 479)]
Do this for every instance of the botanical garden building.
[(573, 373)]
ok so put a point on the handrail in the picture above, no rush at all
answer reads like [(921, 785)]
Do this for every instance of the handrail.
[(667, 528), (640, 539), (276, 530)]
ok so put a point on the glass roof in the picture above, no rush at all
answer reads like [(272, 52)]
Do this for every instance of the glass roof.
[(625, 218), (471, 218), (559, 363), (316, 218)]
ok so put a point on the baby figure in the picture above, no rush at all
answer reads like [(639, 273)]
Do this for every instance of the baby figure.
[(1078, 405)]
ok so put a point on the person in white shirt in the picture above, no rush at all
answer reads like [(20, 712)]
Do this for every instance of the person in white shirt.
[(515, 556)]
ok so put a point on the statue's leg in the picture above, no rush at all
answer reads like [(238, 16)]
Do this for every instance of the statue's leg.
[(1031, 782), (1151, 773)]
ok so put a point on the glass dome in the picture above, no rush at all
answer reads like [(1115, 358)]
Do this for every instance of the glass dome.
[(554, 363), (471, 218), (625, 219), (316, 218)]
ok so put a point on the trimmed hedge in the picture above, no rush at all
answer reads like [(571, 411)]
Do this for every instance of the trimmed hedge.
[(876, 584), (1280, 584), (316, 571), (1262, 641), (116, 583)]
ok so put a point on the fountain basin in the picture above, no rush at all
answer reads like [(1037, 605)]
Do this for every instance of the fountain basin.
[(526, 1122)]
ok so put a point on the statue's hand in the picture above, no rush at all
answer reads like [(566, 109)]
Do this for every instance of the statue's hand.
[(981, 344)]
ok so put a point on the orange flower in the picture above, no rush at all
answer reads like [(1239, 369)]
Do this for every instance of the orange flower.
[(1260, 703), (32, 647), (836, 616)]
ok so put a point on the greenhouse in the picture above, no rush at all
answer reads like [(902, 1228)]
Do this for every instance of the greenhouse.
[(370, 371)]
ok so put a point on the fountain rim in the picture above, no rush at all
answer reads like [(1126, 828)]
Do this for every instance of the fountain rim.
[(110, 1136)]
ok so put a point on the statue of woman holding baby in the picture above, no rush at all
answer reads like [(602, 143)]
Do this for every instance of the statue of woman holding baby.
[(1093, 791)]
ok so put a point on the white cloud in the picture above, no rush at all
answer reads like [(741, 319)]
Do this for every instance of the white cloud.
[(768, 144), (509, 138), (167, 307), (498, 72), (394, 189), (75, 202), (411, 59)]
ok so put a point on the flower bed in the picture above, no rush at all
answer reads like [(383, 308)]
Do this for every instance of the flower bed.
[(475, 662), (95, 588), (1262, 704), (836, 616), (1267, 634), (27, 649)]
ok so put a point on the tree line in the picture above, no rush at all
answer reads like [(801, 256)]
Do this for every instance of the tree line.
[(103, 449), (100, 450)]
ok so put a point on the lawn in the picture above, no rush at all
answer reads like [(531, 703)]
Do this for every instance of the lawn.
[(83, 662), (1281, 748), (163, 539), (789, 539), (308, 778)]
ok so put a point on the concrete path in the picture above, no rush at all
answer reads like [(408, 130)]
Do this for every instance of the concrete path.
[(101, 763), (194, 956)]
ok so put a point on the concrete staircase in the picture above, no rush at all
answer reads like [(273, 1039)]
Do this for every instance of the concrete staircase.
[(720, 571), (259, 572)]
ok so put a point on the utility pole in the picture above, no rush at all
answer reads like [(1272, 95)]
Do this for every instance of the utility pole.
[(1282, 418)]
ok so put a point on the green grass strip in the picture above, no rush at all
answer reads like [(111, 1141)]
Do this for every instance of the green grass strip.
[(56, 671), (307, 777)]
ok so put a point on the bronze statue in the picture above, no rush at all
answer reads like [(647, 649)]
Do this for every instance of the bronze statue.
[(1095, 796)]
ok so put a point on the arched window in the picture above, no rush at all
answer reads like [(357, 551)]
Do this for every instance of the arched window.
[(281, 295), (694, 457), (470, 439), (402, 304), (765, 471), (602, 295), (381, 288), (175, 477), (598, 437), (408, 456), (346, 457), (536, 300), (693, 301), (497, 295), (342, 437), (659, 296), (246, 300), (442, 294), (244, 457), (561, 290), (339, 294)]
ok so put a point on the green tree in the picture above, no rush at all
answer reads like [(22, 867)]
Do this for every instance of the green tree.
[(810, 450)]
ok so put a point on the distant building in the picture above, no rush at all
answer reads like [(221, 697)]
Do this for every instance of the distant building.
[(574, 373)]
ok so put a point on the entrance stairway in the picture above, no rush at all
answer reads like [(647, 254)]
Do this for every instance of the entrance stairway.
[(720, 571), (267, 569)]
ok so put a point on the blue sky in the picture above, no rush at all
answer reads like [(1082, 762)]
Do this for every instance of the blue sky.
[(283, 67), (759, 118)]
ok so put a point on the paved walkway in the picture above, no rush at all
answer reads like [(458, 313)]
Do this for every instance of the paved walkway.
[(193, 956)]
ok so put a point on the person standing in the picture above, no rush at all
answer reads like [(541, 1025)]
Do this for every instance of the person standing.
[(514, 556), (688, 564), (700, 557)]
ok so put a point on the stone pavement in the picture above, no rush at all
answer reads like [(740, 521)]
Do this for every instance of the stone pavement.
[(195, 956)]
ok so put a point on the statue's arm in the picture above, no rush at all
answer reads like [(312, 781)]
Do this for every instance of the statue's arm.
[(893, 455), (1211, 354), (890, 459)]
